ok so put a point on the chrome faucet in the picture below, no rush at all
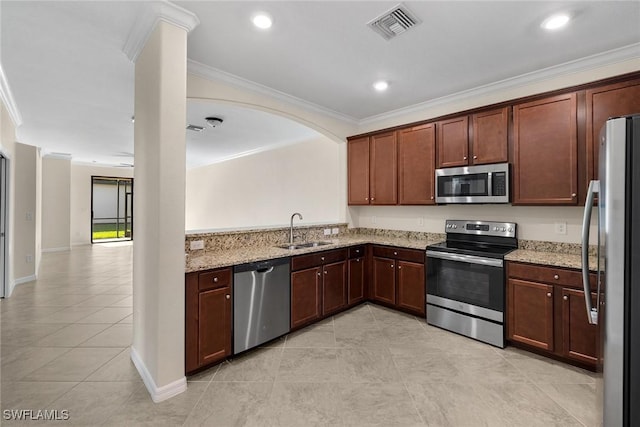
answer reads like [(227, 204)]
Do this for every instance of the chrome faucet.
[(291, 229)]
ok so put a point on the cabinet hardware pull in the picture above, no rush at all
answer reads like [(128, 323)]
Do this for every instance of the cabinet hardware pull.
[(373, 198), (321, 258), (399, 267), (358, 260), (549, 294), (366, 198), (325, 272), (215, 280), (555, 276), (573, 194), (318, 273), (431, 197), (566, 298), (464, 158), (395, 253), (475, 157), (228, 296), (391, 265)]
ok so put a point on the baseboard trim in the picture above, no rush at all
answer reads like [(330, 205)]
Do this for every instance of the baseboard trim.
[(26, 279), (158, 394), (61, 249)]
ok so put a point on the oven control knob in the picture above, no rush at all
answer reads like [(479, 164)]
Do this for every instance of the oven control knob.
[(455, 226), (495, 228), (510, 229), (504, 229)]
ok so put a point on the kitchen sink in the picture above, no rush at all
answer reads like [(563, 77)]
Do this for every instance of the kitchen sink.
[(303, 245)]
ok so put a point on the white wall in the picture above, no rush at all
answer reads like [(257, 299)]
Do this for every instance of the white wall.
[(26, 163), (535, 223), (7, 149), (56, 204), (81, 197), (264, 189)]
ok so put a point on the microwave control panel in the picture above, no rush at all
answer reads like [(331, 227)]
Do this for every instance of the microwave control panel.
[(499, 184)]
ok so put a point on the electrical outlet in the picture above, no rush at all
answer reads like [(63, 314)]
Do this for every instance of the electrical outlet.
[(335, 230), (421, 221), (29, 259), (29, 216), (327, 231), (561, 228), (196, 244)]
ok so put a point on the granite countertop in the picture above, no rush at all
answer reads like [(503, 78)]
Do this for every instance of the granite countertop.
[(555, 259), (226, 258)]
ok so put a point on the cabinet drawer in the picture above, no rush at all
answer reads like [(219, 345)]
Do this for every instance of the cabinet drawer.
[(215, 279), (357, 251), (412, 255), (553, 275), (313, 260)]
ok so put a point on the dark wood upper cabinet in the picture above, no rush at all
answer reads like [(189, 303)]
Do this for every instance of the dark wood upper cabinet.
[(546, 152), (358, 171), (416, 165), (489, 139), (603, 103), (453, 142), (383, 169)]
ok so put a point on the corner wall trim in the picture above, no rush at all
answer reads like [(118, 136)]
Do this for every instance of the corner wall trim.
[(147, 21), (7, 99), (60, 249), (158, 394)]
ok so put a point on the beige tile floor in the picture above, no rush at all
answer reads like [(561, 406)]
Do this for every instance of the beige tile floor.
[(65, 345)]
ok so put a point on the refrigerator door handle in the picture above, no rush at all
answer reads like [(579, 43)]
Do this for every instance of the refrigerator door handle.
[(592, 313)]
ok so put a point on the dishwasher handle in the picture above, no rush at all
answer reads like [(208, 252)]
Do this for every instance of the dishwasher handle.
[(261, 266)]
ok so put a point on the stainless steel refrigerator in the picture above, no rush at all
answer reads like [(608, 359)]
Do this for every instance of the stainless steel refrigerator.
[(618, 303)]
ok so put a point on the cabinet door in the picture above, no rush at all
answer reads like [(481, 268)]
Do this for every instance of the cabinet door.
[(416, 165), (546, 152), (489, 137), (530, 313), (358, 171), (453, 142), (214, 324), (306, 291), (334, 287), (579, 337), (411, 287), (356, 280), (605, 102), (384, 172), (384, 280)]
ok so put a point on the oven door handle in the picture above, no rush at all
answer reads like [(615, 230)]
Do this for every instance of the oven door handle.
[(492, 262)]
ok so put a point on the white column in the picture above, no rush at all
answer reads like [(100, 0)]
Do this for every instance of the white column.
[(158, 248)]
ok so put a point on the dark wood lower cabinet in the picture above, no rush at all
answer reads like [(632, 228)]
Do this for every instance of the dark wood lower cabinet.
[(356, 281), (306, 294), (208, 306), (384, 280), (546, 312), (411, 289), (334, 287), (530, 313)]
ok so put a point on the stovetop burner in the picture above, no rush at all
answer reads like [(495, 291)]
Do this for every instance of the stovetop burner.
[(481, 238)]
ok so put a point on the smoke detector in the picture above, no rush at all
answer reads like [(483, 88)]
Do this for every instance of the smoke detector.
[(214, 122), (394, 22)]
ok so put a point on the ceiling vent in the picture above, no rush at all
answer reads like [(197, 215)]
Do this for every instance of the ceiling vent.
[(195, 128), (394, 22)]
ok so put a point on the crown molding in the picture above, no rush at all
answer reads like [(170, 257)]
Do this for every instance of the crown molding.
[(7, 99), (152, 15), (211, 73), (610, 57)]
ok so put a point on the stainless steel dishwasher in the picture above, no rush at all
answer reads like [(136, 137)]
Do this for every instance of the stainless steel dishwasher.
[(261, 303)]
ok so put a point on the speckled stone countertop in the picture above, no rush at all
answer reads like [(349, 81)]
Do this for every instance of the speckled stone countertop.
[(552, 254), (229, 257)]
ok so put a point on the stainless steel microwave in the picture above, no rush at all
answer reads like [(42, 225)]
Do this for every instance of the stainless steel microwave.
[(473, 184)]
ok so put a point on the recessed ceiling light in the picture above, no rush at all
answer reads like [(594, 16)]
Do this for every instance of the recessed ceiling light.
[(555, 21), (381, 85), (262, 21)]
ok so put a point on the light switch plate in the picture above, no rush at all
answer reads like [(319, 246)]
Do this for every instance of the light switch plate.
[(335, 230), (196, 244), (29, 216), (327, 231)]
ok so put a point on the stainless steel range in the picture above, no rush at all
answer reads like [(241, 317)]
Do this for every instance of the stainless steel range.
[(466, 279)]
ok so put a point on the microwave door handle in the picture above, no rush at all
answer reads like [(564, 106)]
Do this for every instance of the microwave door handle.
[(489, 184), (592, 314)]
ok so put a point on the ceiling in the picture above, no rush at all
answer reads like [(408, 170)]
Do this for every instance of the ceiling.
[(73, 84)]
